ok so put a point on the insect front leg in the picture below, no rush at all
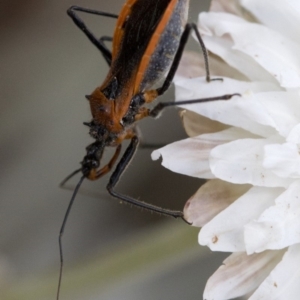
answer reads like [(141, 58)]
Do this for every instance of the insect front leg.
[(114, 179), (99, 43), (96, 174)]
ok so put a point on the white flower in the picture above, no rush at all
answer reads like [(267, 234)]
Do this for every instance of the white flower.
[(248, 147)]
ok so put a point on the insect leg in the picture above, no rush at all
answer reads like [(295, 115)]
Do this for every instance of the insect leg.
[(81, 25), (177, 58), (114, 179), (106, 39), (96, 174), (160, 106)]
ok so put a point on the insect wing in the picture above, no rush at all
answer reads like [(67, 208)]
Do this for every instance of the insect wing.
[(136, 25), (162, 46)]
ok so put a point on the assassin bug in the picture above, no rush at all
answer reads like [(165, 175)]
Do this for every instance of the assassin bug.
[(148, 43)]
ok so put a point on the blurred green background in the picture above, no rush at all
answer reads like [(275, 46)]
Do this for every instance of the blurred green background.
[(111, 251)]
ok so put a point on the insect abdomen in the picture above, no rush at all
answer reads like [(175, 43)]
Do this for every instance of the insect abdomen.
[(164, 44)]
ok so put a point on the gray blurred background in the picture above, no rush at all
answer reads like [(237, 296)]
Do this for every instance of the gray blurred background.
[(47, 66)]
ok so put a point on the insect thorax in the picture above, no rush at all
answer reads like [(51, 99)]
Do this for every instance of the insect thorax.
[(113, 119)]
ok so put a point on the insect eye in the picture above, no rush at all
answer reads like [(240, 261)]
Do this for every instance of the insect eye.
[(94, 133), (98, 133)]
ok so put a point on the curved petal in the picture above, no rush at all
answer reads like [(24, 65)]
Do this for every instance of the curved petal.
[(294, 135), (195, 124), (241, 161), (283, 160), (225, 232), (246, 112), (190, 156), (282, 108), (259, 42), (240, 274), (278, 226), (283, 282), (229, 6), (282, 16), (192, 65), (212, 197), (223, 46)]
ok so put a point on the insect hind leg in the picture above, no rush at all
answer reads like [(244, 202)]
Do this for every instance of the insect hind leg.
[(99, 43), (154, 112), (205, 53), (106, 39), (183, 40)]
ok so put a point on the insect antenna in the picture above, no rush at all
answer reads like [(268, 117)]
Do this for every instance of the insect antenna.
[(62, 184), (64, 224)]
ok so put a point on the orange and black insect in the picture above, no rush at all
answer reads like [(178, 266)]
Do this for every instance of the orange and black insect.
[(147, 46)]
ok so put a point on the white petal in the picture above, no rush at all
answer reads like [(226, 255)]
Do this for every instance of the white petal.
[(278, 226), (245, 112), (192, 65), (294, 135), (225, 232), (212, 197), (283, 282), (240, 274), (259, 42), (282, 16), (283, 160), (190, 156), (230, 6), (277, 109), (229, 134), (283, 108), (195, 124), (224, 48), (241, 161)]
